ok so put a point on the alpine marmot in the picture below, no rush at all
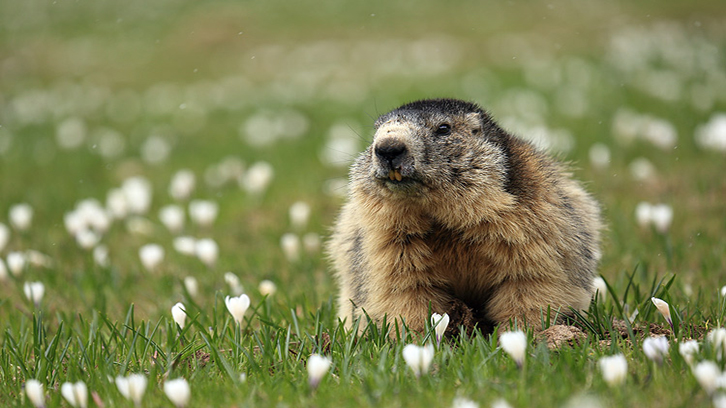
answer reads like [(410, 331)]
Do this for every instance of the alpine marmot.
[(449, 212)]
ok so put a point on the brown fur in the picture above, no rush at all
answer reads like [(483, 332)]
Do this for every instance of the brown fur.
[(478, 217)]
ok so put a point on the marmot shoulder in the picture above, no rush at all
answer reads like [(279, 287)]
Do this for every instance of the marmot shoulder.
[(446, 210)]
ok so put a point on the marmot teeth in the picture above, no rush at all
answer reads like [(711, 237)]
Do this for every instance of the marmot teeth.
[(395, 175)]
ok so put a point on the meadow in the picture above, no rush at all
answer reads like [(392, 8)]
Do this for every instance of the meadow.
[(166, 152)]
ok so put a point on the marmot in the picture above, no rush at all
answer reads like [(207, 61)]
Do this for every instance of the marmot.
[(446, 209)]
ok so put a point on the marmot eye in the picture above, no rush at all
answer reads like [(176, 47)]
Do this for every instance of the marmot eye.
[(443, 129)]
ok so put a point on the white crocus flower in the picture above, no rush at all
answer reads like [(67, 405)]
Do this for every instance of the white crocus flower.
[(21, 216), (688, 350), (100, 255), (655, 348), (16, 262), (267, 288), (233, 281), (614, 369), (299, 214), (34, 291), (178, 392), (257, 178), (418, 358), (237, 306), (151, 256), (461, 402), (178, 313), (137, 192), (185, 245), (311, 242), (290, 244), (717, 338), (132, 387), (663, 308), (34, 391), (75, 393), (317, 366), (182, 184), (203, 212), (207, 251), (172, 216), (439, 323), (601, 288), (515, 344), (662, 217), (707, 374), (191, 285), (644, 214)]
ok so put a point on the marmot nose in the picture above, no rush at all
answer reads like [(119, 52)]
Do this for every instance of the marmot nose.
[(391, 152)]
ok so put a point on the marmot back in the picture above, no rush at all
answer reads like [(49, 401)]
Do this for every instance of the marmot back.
[(449, 212)]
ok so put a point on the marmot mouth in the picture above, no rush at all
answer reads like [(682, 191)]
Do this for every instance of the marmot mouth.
[(395, 175)]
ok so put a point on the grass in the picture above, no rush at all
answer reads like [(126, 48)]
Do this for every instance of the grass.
[(196, 73)]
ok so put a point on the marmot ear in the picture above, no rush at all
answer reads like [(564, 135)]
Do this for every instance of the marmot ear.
[(475, 121)]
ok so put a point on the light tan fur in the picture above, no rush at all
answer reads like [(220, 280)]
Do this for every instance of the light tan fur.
[(480, 218)]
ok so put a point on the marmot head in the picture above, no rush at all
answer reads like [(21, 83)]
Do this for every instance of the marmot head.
[(436, 147)]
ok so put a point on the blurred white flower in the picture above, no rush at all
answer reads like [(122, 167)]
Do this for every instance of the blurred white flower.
[(34, 291), (660, 132), (75, 393), (155, 149), (185, 245), (203, 212), (21, 216), (641, 169), (317, 366), (600, 287), (137, 192), (655, 348), (87, 239), (257, 178), (614, 369), (599, 156), (418, 358), (501, 403), (191, 285), (132, 387), (178, 313), (723, 291), (688, 350), (4, 236), (515, 344), (717, 338), (237, 306), (16, 262), (719, 400), (267, 288), (234, 285), (661, 216), (151, 256), (92, 215), (178, 392), (116, 203), (207, 251), (644, 214), (290, 244), (439, 323), (172, 216), (299, 214), (100, 255), (182, 184), (461, 402), (71, 133), (38, 259), (712, 135), (34, 391), (663, 308), (311, 242), (707, 374)]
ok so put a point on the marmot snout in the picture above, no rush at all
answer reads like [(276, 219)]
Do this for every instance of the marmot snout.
[(447, 209)]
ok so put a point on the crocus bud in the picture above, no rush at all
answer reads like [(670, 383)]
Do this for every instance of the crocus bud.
[(614, 369), (207, 251), (172, 216), (179, 314), (707, 374), (267, 288), (34, 391), (317, 367), (76, 394), (688, 350), (299, 214), (203, 212), (418, 358), (178, 392), (237, 306), (132, 387), (601, 288), (655, 348), (21, 216), (34, 291), (515, 344), (663, 308), (151, 256), (191, 285), (439, 323)]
